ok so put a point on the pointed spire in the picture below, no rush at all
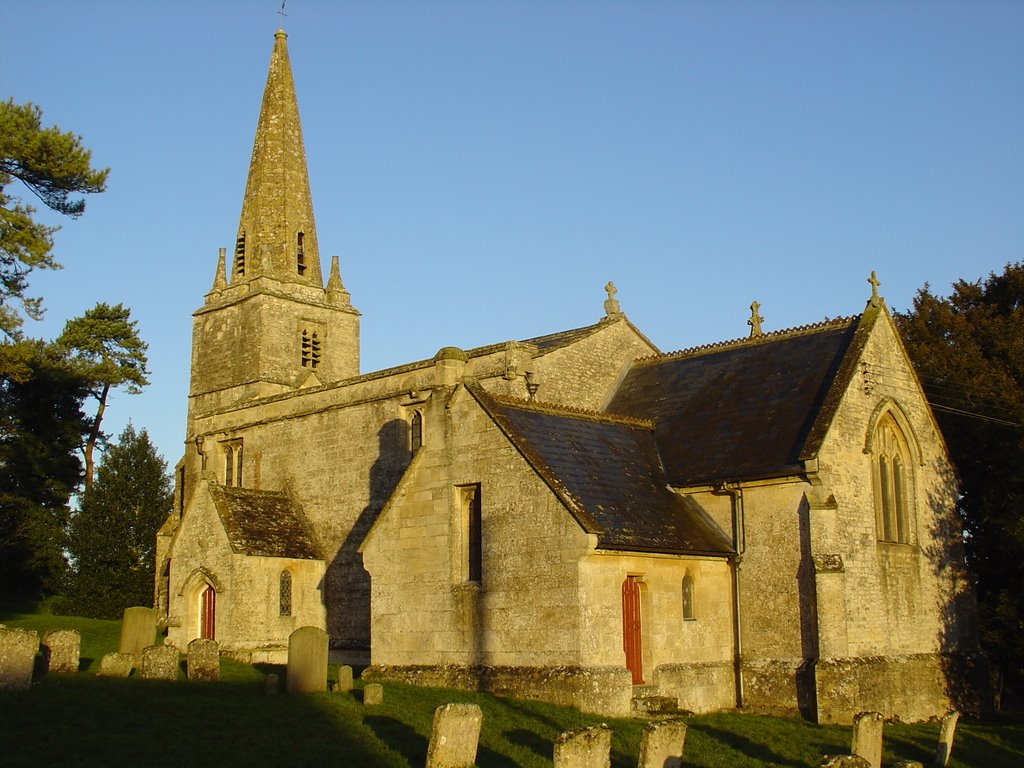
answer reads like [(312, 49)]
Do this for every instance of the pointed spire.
[(220, 280), (336, 293), (276, 231)]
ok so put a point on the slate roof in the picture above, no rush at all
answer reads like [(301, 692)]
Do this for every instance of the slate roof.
[(264, 523), (743, 409), (607, 471)]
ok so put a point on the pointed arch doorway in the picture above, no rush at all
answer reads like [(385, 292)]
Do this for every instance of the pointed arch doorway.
[(632, 628), (208, 613)]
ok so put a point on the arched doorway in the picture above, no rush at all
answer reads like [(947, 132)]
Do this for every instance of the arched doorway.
[(208, 613), (632, 628)]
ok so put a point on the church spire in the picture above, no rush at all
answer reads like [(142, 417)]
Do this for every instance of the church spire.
[(276, 231)]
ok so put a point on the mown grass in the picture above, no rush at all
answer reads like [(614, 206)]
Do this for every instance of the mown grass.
[(85, 720)]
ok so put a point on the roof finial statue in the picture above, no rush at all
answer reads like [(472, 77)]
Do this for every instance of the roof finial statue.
[(875, 282), (611, 306), (755, 320)]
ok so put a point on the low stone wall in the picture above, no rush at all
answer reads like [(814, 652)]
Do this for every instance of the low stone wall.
[(699, 687), (599, 690), (910, 687), (782, 687)]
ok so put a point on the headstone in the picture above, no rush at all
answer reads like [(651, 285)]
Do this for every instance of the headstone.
[(138, 630), (586, 748), (373, 695), (454, 736), (116, 665), (946, 731), (160, 662), (344, 679), (867, 737), (661, 745), (203, 659), (61, 650), (307, 660), (18, 649), (271, 684), (844, 761)]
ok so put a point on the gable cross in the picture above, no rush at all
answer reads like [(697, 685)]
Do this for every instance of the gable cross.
[(875, 282), (755, 320)]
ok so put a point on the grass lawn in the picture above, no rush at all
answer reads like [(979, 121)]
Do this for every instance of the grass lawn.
[(85, 720)]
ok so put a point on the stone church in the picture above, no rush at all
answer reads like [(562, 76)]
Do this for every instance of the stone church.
[(765, 523)]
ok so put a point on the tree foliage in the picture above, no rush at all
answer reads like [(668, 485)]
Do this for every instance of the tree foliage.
[(112, 538), (41, 428), (968, 350), (55, 166), (103, 348)]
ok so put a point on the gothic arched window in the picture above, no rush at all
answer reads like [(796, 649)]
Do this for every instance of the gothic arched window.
[(688, 597), (891, 466), (286, 593)]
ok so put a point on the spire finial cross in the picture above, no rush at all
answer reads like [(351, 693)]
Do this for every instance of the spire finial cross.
[(755, 320), (281, 13)]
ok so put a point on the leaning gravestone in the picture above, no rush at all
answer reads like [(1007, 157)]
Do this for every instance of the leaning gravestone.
[(61, 650), (661, 745), (17, 657), (586, 748), (454, 736), (116, 665), (203, 659), (867, 737), (307, 660), (373, 695), (946, 732), (138, 630), (344, 679), (160, 662)]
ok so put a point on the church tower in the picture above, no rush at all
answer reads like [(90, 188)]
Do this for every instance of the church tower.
[(269, 325)]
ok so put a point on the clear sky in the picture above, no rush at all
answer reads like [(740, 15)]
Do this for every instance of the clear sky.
[(484, 168)]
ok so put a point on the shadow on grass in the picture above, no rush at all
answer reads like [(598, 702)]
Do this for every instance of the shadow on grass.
[(401, 737), (759, 753), (530, 740)]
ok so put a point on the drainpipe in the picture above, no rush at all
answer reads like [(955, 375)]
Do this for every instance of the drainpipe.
[(739, 542)]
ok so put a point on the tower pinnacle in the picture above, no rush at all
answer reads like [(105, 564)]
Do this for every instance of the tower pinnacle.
[(277, 231)]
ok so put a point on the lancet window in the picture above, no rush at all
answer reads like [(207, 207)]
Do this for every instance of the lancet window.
[(892, 480), (286, 593)]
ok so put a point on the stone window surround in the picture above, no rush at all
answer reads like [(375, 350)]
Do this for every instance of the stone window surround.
[(894, 452), (232, 451)]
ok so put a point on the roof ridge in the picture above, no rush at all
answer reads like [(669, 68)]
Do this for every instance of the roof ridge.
[(569, 410), (715, 346)]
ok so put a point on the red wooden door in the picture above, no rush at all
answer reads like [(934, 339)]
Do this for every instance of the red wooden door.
[(208, 613), (632, 642)]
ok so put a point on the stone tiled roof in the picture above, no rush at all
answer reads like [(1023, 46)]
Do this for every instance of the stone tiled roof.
[(264, 523), (607, 471), (740, 409)]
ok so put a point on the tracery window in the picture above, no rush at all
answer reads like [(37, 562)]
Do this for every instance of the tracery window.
[(286, 593), (688, 613), (891, 467)]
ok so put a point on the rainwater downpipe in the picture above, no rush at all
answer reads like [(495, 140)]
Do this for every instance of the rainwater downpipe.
[(739, 540)]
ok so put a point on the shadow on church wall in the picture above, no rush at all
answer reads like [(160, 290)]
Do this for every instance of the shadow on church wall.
[(807, 596)]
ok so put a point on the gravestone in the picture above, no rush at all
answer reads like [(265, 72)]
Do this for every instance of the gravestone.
[(116, 665), (661, 745), (160, 662), (61, 650), (867, 737), (373, 695), (844, 761), (454, 736), (18, 649), (945, 747), (203, 659), (344, 679), (271, 684), (138, 630), (585, 748), (307, 660)]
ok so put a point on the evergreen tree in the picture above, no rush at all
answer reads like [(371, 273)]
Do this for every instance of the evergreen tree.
[(104, 348), (53, 165), (112, 538), (968, 350), (41, 428)]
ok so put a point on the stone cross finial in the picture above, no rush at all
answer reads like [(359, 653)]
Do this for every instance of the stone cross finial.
[(875, 282), (755, 320), (611, 306)]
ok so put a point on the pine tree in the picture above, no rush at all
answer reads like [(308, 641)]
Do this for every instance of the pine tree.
[(112, 538)]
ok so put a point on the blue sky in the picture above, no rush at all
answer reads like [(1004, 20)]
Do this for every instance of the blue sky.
[(484, 168)]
